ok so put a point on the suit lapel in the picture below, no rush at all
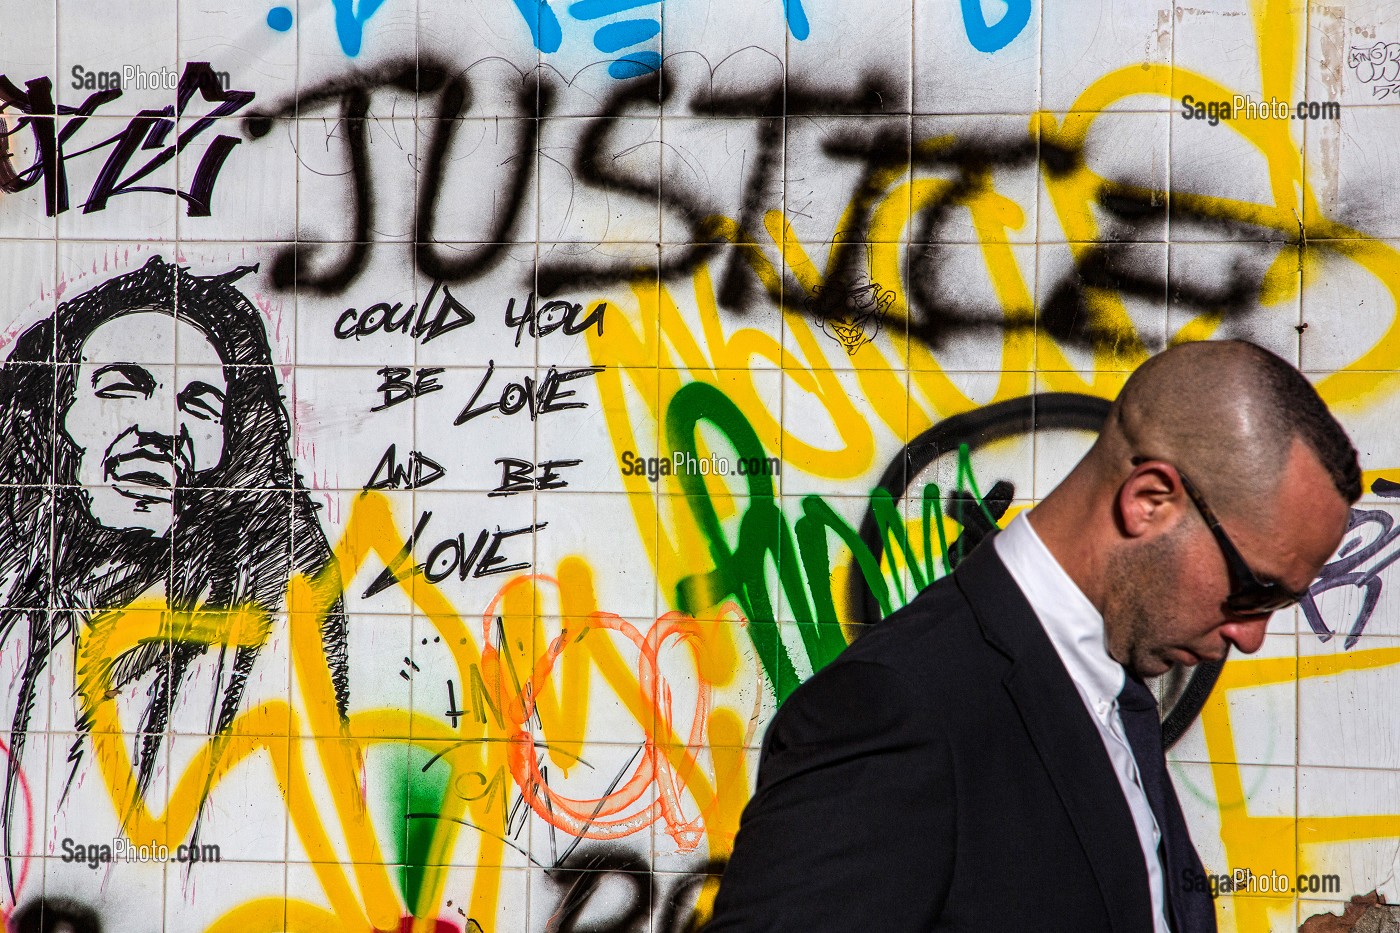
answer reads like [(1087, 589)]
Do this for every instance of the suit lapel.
[(1064, 735)]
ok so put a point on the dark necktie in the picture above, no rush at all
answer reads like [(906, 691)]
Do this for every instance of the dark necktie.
[(1189, 908)]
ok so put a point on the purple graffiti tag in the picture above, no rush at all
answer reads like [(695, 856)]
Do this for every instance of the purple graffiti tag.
[(148, 130), (1370, 546)]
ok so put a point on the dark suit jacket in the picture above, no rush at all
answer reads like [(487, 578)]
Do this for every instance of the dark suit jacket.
[(941, 774)]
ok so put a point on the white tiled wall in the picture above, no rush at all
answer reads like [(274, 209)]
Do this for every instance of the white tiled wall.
[(506, 689)]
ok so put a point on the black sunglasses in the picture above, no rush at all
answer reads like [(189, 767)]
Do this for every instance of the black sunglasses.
[(1249, 596)]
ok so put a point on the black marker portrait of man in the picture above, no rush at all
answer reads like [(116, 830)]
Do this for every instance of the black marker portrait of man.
[(120, 478)]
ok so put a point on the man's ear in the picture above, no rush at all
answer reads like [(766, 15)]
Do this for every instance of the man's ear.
[(1150, 499)]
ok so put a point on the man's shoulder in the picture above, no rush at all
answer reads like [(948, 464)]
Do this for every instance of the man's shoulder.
[(935, 638), (925, 670), (935, 612)]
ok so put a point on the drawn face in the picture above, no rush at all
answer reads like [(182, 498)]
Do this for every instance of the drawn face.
[(863, 305), (144, 428)]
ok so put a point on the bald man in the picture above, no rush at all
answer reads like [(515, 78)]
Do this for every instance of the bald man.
[(988, 758)]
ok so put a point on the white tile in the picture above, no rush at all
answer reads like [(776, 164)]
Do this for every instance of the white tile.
[(510, 539), (569, 521), (1353, 180), (722, 52), (485, 187), (241, 44), (968, 309), (375, 202), (498, 426), (718, 167), (1346, 308), (374, 291), (1235, 290), (343, 438), (107, 201), (330, 44), (1082, 45), (1343, 720), (998, 73), (486, 46), (601, 59), (1326, 796), (30, 266), (1263, 719), (254, 190), (843, 42), (1221, 41), (855, 156), (131, 38), (599, 181)]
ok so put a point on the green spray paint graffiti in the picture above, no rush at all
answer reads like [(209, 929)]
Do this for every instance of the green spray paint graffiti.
[(415, 796), (742, 569)]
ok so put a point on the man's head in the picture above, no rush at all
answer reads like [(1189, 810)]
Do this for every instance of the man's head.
[(138, 394), (1217, 489), (142, 428)]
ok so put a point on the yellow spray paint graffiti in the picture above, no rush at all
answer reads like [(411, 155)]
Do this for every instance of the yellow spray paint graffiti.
[(727, 356), (692, 803)]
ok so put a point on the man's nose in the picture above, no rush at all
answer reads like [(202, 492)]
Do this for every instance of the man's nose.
[(159, 441), (1246, 633)]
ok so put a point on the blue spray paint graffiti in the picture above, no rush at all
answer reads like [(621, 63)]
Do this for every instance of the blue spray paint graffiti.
[(547, 33), (992, 37), (627, 36), (544, 25), (616, 36), (279, 18), (350, 23), (796, 19)]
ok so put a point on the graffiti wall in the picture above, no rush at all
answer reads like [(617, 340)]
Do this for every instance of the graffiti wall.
[(436, 435)]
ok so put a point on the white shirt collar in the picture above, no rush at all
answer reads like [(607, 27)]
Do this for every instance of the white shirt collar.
[(1075, 627)]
